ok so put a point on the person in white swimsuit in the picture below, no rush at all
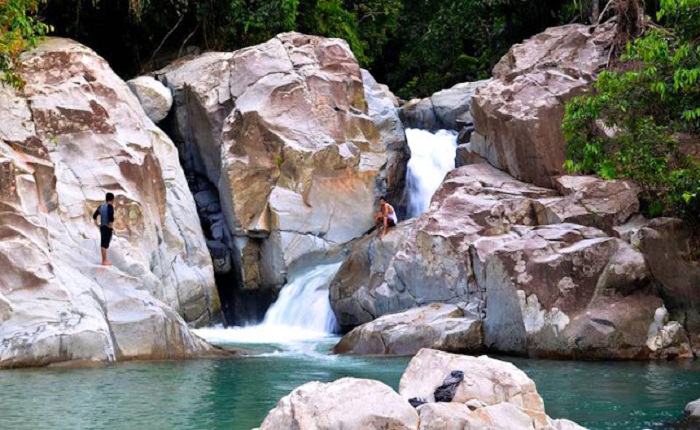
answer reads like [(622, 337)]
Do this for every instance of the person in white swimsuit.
[(386, 217)]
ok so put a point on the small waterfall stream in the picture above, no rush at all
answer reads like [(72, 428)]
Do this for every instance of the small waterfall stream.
[(432, 157), (302, 312)]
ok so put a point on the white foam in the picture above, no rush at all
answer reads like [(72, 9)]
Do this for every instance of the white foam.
[(301, 313), (432, 157)]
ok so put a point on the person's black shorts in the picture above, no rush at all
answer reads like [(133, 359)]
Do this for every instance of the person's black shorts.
[(105, 236), (391, 222)]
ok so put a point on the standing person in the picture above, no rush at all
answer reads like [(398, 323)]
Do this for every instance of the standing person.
[(106, 214), (386, 217)]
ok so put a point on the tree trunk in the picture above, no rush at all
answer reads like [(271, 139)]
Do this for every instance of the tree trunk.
[(595, 11)]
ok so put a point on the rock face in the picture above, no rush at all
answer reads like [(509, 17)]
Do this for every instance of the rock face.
[(154, 97), (518, 115), (76, 132), (282, 132), (347, 403), (542, 286), (494, 395), (439, 326), (382, 109)]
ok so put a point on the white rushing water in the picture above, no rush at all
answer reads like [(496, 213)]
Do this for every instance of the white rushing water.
[(432, 157), (302, 312)]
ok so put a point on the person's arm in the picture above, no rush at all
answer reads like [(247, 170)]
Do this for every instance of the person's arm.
[(110, 218), (95, 215)]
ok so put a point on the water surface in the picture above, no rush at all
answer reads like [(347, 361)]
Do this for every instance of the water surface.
[(236, 394)]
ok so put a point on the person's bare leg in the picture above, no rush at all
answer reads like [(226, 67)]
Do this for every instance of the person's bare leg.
[(105, 262), (386, 226)]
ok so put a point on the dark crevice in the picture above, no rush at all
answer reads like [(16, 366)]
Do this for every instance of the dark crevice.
[(238, 306)]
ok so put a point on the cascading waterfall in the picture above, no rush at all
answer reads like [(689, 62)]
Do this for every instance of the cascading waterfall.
[(432, 157), (301, 312), (303, 303)]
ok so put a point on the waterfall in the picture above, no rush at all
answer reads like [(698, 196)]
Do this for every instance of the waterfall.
[(303, 303), (432, 157), (301, 312)]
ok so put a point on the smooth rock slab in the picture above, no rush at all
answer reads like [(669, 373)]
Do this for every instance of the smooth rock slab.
[(345, 404), (439, 326), (75, 132)]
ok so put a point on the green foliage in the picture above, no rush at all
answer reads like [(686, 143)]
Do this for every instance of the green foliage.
[(644, 123), (240, 23), (446, 42), (19, 30)]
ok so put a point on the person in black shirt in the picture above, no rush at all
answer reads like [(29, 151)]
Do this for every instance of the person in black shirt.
[(106, 222)]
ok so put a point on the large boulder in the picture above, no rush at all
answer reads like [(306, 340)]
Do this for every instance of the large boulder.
[(427, 260), (75, 132), (493, 395), (345, 404), (438, 326), (353, 291), (282, 131), (518, 115), (154, 97)]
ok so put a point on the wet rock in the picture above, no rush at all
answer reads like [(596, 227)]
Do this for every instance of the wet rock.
[(347, 403), (518, 115), (283, 130), (438, 326), (154, 97), (74, 133)]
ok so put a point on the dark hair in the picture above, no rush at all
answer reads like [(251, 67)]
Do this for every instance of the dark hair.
[(382, 198), (109, 197)]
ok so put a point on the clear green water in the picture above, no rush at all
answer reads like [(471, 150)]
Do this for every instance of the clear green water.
[(238, 393)]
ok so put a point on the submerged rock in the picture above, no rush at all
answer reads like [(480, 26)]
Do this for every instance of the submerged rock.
[(438, 326), (283, 130), (518, 115), (75, 132)]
